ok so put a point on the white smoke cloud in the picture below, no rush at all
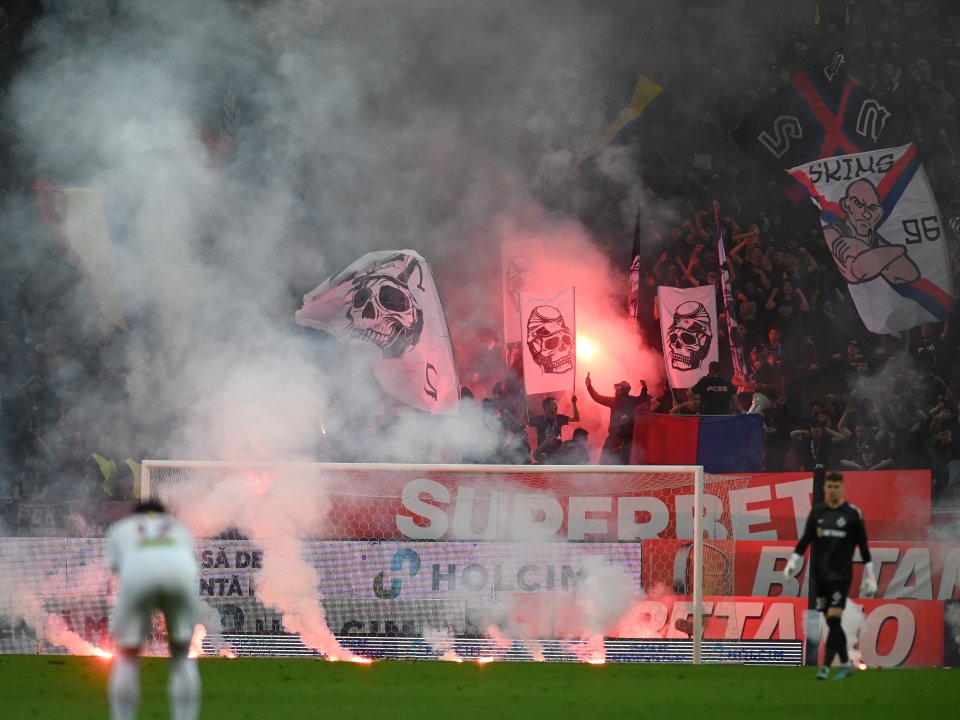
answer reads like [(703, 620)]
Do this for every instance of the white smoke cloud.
[(248, 150)]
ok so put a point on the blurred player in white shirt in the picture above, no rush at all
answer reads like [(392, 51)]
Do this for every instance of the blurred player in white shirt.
[(152, 555)]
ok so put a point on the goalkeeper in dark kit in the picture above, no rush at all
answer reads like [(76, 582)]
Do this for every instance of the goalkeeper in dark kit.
[(834, 529)]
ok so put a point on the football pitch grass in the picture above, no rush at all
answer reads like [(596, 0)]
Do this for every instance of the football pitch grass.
[(74, 688)]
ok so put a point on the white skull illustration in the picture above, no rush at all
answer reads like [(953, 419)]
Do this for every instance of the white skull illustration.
[(519, 270), (383, 311), (551, 342), (689, 337)]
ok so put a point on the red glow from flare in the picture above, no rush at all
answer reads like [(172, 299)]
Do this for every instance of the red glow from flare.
[(485, 660), (451, 656), (261, 480), (596, 660)]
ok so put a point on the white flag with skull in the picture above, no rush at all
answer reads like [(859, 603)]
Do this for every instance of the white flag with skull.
[(389, 302), (688, 328), (549, 331)]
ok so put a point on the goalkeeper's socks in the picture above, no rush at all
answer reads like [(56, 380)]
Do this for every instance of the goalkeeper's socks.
[(124, 687), (836, 642), (184, 688)]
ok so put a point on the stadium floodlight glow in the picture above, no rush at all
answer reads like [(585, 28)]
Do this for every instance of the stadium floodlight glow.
[(410, 515)]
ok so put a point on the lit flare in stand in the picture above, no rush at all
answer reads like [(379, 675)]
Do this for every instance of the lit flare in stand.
[(585, 347)]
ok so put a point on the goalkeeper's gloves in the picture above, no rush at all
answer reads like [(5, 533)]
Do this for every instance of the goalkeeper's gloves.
[(792, 564), (868, 587)]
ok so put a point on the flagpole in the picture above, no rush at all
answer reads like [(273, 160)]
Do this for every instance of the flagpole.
[(663, 350), (574, 288), (523, 361)]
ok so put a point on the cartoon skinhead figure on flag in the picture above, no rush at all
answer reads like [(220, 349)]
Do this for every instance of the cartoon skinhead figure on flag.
[(388, 302), (882, 227)]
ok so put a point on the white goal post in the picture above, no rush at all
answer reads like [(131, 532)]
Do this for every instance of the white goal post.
[(624, 495)]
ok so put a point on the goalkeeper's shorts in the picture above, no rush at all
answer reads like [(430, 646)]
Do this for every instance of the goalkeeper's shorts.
[(832, 593)]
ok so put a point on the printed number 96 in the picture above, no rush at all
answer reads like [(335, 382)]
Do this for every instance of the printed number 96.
[(925, 228)]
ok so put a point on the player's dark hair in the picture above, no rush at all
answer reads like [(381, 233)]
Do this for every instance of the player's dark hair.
[(547, 401), (834, 477), (580, 432), (149, 506)]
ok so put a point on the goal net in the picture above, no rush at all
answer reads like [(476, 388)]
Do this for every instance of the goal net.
[(524, 562)]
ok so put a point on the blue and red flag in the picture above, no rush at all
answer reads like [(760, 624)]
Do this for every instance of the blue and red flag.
[(721, 443), (822, 112)]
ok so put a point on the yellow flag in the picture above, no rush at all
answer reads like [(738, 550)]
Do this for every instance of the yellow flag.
[(645, 92)]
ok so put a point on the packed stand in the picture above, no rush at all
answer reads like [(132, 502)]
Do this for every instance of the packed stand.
[(830, 392)]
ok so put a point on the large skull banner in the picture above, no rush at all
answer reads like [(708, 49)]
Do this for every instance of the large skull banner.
[(388, 302), (550, 346), (688, 322)]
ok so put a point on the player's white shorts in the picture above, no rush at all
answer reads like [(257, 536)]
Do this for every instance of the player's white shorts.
[(157, 578)]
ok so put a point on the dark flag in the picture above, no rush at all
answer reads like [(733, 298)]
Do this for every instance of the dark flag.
[(742, 373), (636, 267), (822, 112)]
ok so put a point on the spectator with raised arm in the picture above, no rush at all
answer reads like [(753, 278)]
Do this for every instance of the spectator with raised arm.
[(623, 407)]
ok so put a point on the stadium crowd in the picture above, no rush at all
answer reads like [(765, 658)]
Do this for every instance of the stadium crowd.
[(830, 391)]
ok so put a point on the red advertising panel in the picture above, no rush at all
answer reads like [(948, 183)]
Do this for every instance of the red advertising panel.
[(774, 506), (905, 571), (594, 505), (892, 633), (916, 571)]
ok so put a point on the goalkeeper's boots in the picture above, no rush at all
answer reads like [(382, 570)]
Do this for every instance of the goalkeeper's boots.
[(844, 672), (823, 673)]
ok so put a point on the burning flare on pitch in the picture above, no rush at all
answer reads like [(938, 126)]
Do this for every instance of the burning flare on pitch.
[(57, 632)]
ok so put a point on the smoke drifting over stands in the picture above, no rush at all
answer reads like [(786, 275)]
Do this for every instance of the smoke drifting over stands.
[(244, 151)]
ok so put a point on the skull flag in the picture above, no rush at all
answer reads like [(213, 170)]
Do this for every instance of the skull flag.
[(688, 329), (388, 301), (549, 331)]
